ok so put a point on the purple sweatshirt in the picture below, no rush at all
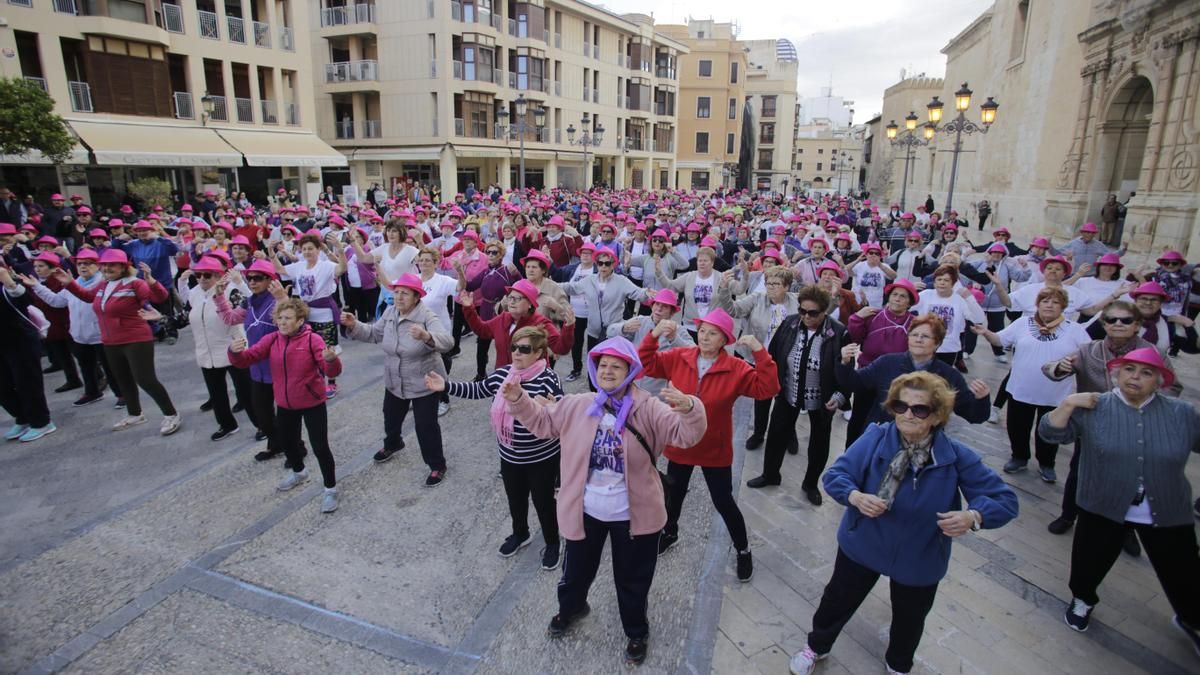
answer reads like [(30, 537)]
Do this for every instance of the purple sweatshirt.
[(884, 333), (256, 317)]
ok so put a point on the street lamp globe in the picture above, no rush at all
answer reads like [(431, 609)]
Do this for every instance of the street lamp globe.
[(539, 116), (988, 111), (892, 129), (962, 98), (930, 130), (571, 133), (910, 121), (598, 135), (522, 106), (935, 110), (502, 115)]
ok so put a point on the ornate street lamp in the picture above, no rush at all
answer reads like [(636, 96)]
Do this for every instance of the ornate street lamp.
[(908, 141), (520, 127), (958, 126), (586, 140), (207, 105)]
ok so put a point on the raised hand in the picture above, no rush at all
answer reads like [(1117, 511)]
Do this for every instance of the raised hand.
[(330, 354), (750, 342), (150, 314), (979, 388), (1083, 400), (665, 327), (466, 299), (61, 275), (511, 390), (435, 382), (868, 312), (631, 326), (27, 280), (276, 290), (568, 317), (146, 272), (726, 276), (348, 320), (850, 352), (679, 401)]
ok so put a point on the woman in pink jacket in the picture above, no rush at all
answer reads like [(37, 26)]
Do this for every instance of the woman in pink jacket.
[(610, 441), (300, 362)]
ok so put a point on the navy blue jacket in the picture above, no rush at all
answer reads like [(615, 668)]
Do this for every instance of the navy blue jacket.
[(876, 378), (905, 543)]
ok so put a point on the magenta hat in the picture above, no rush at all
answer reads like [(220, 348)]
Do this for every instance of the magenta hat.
[(830, 265), (526, 288), (719, 319), (907, 215), (904, 284), (56, 197), (1004, 231), (1146, 356), (87, 254), (773, 254), (290, 228), (818, 240), (97, 232), (208, 263), (186, 207), (555, 221), (666, 296), (1056, 259), (219, 255), (1040, 242), (470, 234), (872, 246), (222, 225), (914, 235), (537, 255), (589, 247), (1110, 259), (240, 240), (410, 281), (47, 239), (114, 223), (142, 225), (262, 267), (83, 211), (949, 227), (998, 248), (660, 234), (710, 243), (49, 258), (126, 209), (201, 226), (693, 227), (1089, 227), (1149, 288), (843, 237), (1169, 256), (114, 256)]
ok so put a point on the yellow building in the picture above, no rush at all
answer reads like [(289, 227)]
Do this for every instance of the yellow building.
[(823, 157), (430, 91), (712, 86), (209, 95), (771, 90)]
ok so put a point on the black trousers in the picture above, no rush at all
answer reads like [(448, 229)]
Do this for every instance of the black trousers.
[(581, 323), (536, 481), (481, 356), (1002, 395), (316, 420), (22, 392), (995, 323), (782, 430), (762, 415), (91, 363), (633, 561), (459, 322), (262, 402), (1022, 420), (425, 419), (720, 488), (845, 592), (133, 366), (361, 301), (1069, 509), (591, 343), (860, 411), (218, 394), (59, 352), (1172, 552)]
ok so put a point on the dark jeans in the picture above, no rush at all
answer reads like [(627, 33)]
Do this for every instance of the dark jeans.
[(782, 430), (536, 481), (425, 419), (1069, 509), (633, 561), (1022, 420), (361, 301), (133, 366), (996, 323), (481, 356), (60, 353), (316, 420), (91, 363), (860, 411), (22, 393), (218, 394), (720, 488), (846, 590), (581, 323), (1172, 552), (262, 402)]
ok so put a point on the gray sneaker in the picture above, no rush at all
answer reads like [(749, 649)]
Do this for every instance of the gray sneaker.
[(329, 502), (291, 480)]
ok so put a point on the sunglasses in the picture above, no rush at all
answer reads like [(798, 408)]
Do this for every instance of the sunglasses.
[(524, 349), (1124, 320), (492, 251), (810, 313), (604, 263), (255, 277), (920, 410), (205, 275), (1171, 263)]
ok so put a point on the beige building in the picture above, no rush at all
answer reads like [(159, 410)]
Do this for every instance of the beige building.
[(429, 91), (909, 154), (771, 90), (209, 95), (712, 87), (826, 159), (1097, 97)]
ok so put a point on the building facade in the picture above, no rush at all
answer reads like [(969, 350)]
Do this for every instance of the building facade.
[(892, 163), (429, 91), (208, 95), (826, 159), (826, 109), (771, 91)]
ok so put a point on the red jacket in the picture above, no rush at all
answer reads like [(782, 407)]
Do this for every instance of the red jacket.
[(119, 320), (298, 370), (498, 329), (727, 379)]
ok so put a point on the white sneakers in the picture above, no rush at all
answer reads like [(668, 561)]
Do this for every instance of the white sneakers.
[(994, 418), (443, 408), (131, 421), (170, 425), (292, 479), (805, 661), (329, 502)]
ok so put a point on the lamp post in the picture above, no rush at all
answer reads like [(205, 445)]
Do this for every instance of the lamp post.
[(520, 127), (587, 139), (958, 126), (785, 184), (908, 141), (843, 160), (207, 105)]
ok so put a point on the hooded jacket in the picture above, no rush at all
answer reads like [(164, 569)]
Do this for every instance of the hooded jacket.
[(118, 315), (298, 369)]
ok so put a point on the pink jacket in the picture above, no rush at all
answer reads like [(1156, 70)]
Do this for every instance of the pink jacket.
[(568, 420), (298, 370), (118, 315)]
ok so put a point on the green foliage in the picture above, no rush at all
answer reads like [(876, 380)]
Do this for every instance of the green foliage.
[(28, 122), (152, 191)]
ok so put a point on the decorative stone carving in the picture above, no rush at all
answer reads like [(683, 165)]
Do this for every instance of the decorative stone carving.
[(1069, 168), (1182, 174), (1096, 67)]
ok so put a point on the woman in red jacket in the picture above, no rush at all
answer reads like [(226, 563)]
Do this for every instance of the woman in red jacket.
[(712, 374), (520, 310), (119, 302)]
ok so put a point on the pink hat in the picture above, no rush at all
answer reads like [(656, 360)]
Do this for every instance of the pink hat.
[(710, 243), (1089, 227), (472, 235), (208, 264), (1169, 256), (1056, 259), (7, 228), (83, 211), (693, 227), (1149, 288), (589, 247), (409, 281), (640, 227), (222, 225), (262, 267), (56, 197), (87, 254), (1004, 231), (950, 227), (97, 232), (660, 234), (219, 255), (46, 240), (201, 226), (779, 229), (186, 207), (818, 240), (830, 265), (773, 254), (907, 215), (998, 248), (240, 240), (666, 296), (555, 221), (608, 226), (914, 235), (114, 223), (1040, 242), (537, 255), (604, 251), (125, 208), (112, 255), (872, 246), (76, 197), (49, 258), (719, 319), (842, 236), (338, 220), (904, 284), (526, 288), (290, 228), (142, 225), (1111, 259), (1146, 356)]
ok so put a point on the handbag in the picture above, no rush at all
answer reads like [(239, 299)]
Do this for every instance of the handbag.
[(666, 480)]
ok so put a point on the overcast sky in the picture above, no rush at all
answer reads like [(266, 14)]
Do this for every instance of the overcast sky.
[(861, 44)]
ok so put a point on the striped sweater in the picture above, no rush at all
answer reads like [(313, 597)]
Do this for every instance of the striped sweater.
[(527, 448)]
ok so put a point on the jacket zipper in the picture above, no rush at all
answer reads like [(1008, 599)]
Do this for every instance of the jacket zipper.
[(286, 345)]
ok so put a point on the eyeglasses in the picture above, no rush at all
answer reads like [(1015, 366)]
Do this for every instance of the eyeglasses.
[(205, 275), (920, 410), (255, 277), (1123, 320), (1171, 263), (492, 251), (810, 313), (919, 336), (604, 263), (773, 283), (524, 349)]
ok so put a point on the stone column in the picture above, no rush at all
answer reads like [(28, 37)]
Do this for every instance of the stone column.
[(552, 173), (620, 178), (505, 174), (448, 168)]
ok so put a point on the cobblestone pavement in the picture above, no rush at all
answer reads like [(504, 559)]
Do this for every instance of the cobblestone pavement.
[(123, 552)]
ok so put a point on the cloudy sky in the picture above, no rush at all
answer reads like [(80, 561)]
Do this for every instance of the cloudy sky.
[(861, 44)]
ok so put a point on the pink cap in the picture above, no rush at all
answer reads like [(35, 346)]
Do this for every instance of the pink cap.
[(472, 235), (719, 319), (907, 215), (660, 234), (1004, 231), (114, 223), (411, 282), (772, 253), (666, 296), (7, 228), (1146, 356), (222, 225), (125, 208), (219, 255), (76, 198), (555, 221), (83, 211), (46, 240), (186, 207), (693, 227)]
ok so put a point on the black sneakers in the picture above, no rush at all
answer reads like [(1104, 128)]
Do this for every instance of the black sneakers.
[(1060, 525), (68, 387), (385, 454), (814, 496), (551, 556), (223, 433), (666, 541), (514, 543), (267, 454), (87, 399), (635, 651), (745, 566), (754, 442), (560, 624), (1078, 614), (435, 478)]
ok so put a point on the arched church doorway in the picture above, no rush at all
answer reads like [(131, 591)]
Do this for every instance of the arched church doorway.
[(1122, 148)]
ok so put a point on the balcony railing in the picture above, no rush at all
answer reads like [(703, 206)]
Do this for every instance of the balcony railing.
[(587, 49), (344, 129), (21, 3), (665, 73), (172, 18), (352, 71), (237, 29), (220, 111), (460, 126), (39, 81), (245, 109), (209, 26), (291, 113), (270, 112), (596, 52), (557, 40), (184, 109), (262, 34), (286, 39), (372, 129), (474, 72), (66, 7), (350, 14), (558, 88), (81, 97)]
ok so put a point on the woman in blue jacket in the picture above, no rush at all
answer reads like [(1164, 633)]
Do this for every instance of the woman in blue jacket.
[(902, 481)]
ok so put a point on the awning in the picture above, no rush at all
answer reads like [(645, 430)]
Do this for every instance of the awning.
[(283, 148), (115, 143), (79, 155), (424, 153)]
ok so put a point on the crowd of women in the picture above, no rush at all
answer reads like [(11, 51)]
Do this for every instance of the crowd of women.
[(672, 305)]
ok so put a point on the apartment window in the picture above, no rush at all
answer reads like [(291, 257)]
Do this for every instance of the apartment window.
[(820, 151), (701, 142), (703, 107), (705, 68), (768, 106), (799, 166), (766, 133), (1020, 29), (818, 166), (733, 108), (729, 140), (699, 180), (764, 160), (733, 72)]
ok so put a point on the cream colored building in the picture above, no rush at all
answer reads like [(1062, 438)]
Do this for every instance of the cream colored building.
[(1096, 97), (414, 90), (712, 88), (892, 160), (823, 159), (771, 90), (209, 95)]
